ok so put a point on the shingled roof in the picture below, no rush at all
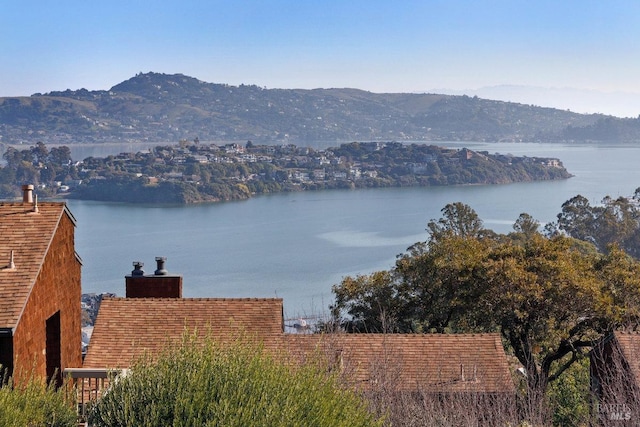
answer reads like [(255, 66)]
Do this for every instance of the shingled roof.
[(127, 328), (28, 234), (412, 362)]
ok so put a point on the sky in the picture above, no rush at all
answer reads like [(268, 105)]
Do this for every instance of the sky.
[(555, 47)]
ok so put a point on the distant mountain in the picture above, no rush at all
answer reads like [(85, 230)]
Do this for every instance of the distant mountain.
[(619, 104), (155, 107)]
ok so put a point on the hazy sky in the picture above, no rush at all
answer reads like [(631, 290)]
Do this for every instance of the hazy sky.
[(380, 46)]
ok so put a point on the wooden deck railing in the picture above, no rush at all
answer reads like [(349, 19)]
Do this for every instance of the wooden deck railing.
[(89, 385)]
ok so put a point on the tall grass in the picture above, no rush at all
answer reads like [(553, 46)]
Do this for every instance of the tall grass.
[(236, 384), (33, 403)]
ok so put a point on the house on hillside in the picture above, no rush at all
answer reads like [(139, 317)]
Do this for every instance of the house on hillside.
[(40, 289), (615, 378)]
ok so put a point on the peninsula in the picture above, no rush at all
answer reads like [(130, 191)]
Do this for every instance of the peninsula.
[(192, 172)]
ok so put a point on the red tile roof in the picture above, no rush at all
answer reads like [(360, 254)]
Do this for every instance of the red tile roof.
[(410, 362), (28, 234), (127, 328)]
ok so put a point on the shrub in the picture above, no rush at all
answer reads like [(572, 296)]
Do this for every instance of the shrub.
[(35, 404), (227, 385), (569, 396)]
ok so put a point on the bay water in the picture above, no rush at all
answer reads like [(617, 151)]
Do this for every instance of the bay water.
[(297, 245)]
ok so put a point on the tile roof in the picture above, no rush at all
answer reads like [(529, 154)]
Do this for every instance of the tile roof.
[(28, 234), (126, 328), (410, 362)]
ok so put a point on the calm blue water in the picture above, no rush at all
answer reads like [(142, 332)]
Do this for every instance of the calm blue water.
[(296, 246)]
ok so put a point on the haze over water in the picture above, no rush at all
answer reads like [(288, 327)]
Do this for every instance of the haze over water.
[(297, 245)]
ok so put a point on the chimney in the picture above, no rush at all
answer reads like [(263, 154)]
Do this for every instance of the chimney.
[(159, 285), (137, 269), (27, 193), (160, 271)]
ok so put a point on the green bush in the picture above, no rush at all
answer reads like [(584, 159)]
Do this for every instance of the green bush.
[(227, 385), (569, 396), (35, 404)]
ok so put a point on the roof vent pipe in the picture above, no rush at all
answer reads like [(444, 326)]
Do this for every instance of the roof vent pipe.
[(161, 271), (27, 193), (35, 204), (11, 265), (137, 268)]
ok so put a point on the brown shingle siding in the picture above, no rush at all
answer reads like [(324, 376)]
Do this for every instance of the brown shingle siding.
[(46, 280)]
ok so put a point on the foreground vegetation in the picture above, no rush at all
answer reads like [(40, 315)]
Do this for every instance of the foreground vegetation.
[(228, 385), (35, 404)]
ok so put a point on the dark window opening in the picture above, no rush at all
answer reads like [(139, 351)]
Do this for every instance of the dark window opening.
[(53, 351), (6, 358)]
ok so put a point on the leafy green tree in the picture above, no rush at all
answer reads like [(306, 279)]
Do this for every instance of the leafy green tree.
[(526, 225), (457, 219), (26, 173), (613, 221), (529, 286), (567, 396), (577, 218), (372, 301), (40, 152), (438, 279), (550, 298), (60, 156), (12, 157)]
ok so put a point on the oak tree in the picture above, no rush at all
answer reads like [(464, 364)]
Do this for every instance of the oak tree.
[(550, 298)]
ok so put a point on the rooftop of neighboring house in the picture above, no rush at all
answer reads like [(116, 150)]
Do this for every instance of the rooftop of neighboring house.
[(26, 231), (127, 328), (411, 362), (153, 316)]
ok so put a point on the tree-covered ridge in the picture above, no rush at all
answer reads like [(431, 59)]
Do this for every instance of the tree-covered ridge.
[(194, 172), (160, 107)]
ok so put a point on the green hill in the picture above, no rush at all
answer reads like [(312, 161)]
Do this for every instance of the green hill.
[(167, 108)]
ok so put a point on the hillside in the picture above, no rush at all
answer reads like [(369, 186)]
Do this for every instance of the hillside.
[(168, 108)]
